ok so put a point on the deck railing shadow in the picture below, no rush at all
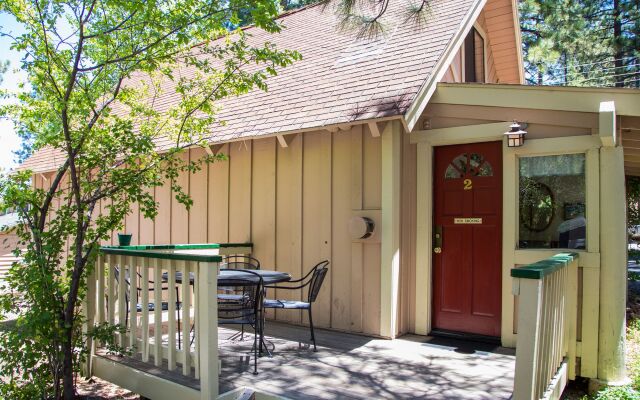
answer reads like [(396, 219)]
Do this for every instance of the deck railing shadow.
[(358, 367), (164, 296)]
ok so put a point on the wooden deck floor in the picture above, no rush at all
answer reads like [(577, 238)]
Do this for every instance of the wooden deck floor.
[(357, 367), (350, 366)]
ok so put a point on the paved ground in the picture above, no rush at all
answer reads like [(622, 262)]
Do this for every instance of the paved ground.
[(356, 367)]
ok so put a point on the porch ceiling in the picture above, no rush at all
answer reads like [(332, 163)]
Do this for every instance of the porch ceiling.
[(630, 134)]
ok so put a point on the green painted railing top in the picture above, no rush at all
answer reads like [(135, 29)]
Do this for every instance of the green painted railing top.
[(159, 255), (196, 246), (544, 267)]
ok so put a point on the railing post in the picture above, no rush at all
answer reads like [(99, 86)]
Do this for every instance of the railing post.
[(572, 316), (528, 337), (207, 326), (89, 311)]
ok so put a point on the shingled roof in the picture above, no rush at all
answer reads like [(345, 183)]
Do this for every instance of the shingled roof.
[(341, 79)]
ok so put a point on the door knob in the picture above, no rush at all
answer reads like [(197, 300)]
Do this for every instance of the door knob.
[(437, 250)]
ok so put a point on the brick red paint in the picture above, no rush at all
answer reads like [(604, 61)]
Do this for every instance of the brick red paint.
[(467, 274)]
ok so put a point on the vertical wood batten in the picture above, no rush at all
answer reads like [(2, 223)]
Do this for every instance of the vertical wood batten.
[(289, 221), (240, 191), (162, 225), (218, 200), (179, 214), (316, 208), (342, 279), (371, 261), (198, 192), (357, 262), (263, 204), (146, 235), (390, 250)]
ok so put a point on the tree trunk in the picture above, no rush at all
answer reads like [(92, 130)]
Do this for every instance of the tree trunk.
[(617, 44), (68, 387)]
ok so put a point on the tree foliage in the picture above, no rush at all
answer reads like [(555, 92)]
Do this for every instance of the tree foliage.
[(95, 68), (582, 43), (633, 203)]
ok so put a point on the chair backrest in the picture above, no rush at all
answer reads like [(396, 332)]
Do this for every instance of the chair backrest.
[(240, 261), (116, 274), (319, 273), (250, 302)]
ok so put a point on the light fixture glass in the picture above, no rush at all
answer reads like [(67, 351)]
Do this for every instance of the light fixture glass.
[(515, 135)]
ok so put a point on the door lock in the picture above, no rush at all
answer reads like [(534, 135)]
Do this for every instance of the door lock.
[(437, 239)]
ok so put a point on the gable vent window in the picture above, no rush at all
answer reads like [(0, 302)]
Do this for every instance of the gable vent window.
[(474, 57)]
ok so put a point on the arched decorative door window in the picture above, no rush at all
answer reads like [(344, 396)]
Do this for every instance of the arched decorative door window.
[(468, 164)]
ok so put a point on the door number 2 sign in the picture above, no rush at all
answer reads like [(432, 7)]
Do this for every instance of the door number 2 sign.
[(468, 184)]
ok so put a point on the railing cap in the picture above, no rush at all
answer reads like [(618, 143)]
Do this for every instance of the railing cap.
[(125, 251), (193, 246), (544, 267)]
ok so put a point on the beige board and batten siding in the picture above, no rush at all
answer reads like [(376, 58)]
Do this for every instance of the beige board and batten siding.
[(294, 204)]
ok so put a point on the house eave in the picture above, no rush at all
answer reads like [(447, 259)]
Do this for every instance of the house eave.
[(558, 98)]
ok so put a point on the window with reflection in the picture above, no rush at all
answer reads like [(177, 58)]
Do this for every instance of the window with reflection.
[(552, 202), (472, 164), (474, 57)]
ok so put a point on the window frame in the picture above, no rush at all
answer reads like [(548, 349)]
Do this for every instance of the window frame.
[(587, 199), (463, 52)]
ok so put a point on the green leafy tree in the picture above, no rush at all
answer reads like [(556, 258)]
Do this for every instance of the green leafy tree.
[(633, 203), (95, 68), (581, 43)]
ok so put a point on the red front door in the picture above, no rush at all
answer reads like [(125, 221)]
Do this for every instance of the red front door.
[(467, 257)]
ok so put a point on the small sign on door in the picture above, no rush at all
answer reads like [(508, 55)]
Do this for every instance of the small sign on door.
[(467, 220)]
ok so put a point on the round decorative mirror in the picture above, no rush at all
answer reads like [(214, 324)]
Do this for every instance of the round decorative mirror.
[(537, 206)]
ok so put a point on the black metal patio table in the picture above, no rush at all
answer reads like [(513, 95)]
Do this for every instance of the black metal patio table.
[(233, 278), (237, 278)]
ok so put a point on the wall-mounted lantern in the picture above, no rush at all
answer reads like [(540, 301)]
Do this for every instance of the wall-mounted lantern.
[(515, 135)]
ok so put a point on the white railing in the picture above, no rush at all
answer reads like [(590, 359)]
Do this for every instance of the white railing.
[(166, 297), (547, 319)]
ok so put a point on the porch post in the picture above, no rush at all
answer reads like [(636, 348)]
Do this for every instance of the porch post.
[(390, 246), (613, 252), (207, 328), (424, 226)]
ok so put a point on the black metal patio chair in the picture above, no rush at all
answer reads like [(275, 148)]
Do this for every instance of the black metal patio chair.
[(228, 294), (313, 279), (248, 309), (164, 306)]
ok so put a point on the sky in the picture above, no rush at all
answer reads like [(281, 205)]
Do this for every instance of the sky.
[(9, 141)]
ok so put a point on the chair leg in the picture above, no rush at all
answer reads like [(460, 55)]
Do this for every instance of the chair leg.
[(255, 351), (313, 336), (178, 312)]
